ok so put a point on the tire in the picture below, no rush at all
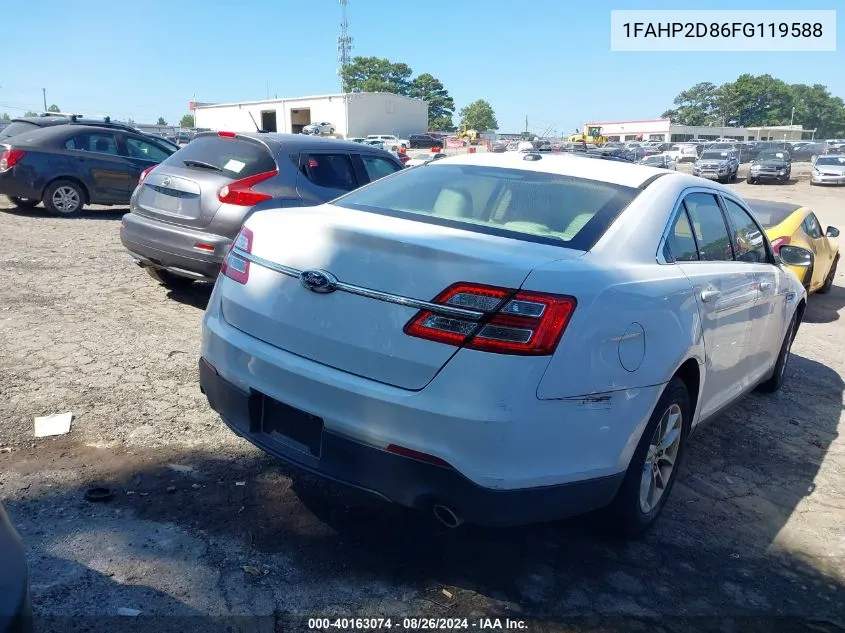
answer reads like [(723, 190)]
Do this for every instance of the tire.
[(24, 203), (776, 380), (734, 176), (828, 281), (169, 280), (751, 181), (630, 514), (64, 198)]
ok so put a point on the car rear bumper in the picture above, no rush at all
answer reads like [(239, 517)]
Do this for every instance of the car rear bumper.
[(403, 480), (480, 414), (15, 609), (11, 184), (172, 247)]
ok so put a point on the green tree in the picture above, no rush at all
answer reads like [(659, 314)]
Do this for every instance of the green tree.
[(479, 115), (161, 121), (30, 113), (694, 106), (5, 117), (816, 109), (53, 108), (187, 121), (754, 100), (441, 106), (441, 124), (761, 100), (376, 74), (130, 121)]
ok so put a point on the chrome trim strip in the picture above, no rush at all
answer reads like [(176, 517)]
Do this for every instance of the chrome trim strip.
[(387, 297)]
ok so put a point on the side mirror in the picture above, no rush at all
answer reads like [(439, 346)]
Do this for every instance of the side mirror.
[(832, 231), (796, 256)]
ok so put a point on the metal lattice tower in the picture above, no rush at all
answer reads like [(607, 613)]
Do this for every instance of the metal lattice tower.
[(344, 42)]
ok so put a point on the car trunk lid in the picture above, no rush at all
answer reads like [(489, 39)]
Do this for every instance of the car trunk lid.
[(387, 263), (184, 189)]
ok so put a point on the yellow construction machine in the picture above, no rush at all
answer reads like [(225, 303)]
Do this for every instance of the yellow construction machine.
[(591, 134), (469, 135)]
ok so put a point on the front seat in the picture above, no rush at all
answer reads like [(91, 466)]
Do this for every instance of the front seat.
[(453, 203)]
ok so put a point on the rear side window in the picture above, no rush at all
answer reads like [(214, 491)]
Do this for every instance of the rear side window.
[(681, 242), (333, 171), (17, 127), (234, 157), (378, 167), (711, 233), (98, 142), (538, 206)]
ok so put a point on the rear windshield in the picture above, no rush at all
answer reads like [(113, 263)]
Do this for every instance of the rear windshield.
[(17, 127), (831, 160), (771, 214), (233, 157), (535, 206)]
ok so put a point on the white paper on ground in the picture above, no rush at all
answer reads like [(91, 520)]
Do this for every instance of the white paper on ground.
[(56, 424)]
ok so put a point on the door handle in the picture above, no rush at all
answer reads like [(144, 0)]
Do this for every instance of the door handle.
[(765, 285), (707, 295)]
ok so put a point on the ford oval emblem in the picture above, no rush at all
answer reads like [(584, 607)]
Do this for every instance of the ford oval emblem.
[(166, 182), (318, 281)]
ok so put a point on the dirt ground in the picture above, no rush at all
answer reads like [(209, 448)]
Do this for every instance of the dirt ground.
[(203, 524)]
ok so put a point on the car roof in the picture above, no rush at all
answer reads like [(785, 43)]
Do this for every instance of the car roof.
[(298, 141), (51, 132), (619, 173)]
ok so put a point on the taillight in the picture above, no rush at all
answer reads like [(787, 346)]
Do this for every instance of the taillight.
[(512, 321), (235, 267), (240, 192), (781, 241), (145, 173), (10, 157)]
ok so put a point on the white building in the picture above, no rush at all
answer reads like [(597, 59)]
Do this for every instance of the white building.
[(355, 114), (663, 130)]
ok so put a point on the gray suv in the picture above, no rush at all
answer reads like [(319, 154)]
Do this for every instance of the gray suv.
[(185, 212), (721, 165)]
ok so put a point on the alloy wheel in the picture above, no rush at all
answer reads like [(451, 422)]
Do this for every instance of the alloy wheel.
[(660, 459), (66, 199)]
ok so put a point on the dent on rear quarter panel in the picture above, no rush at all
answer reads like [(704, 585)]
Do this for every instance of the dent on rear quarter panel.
[(587, 361)]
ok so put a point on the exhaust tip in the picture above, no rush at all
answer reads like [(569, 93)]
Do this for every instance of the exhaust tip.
[(447, 516)]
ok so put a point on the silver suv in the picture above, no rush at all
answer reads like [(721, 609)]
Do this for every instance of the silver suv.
[(721, 165), (185, 212)]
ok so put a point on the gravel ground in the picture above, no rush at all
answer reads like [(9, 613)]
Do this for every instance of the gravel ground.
[(204, 525)]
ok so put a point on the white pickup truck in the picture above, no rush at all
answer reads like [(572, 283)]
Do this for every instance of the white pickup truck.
[(390, 142)]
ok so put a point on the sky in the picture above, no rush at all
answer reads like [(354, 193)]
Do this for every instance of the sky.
[(547, 60)]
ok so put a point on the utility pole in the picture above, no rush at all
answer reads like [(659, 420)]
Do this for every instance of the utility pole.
[(792, 118), (526, 126), (44, 94)]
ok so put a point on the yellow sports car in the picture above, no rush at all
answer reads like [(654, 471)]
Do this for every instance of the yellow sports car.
[(797, 236)]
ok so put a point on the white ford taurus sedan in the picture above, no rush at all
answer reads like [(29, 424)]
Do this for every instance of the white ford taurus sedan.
[(500, 338)]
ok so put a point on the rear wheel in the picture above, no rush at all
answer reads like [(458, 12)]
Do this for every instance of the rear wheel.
[(64, 197), (828, 281), (654, 466), (24, 203), (751, 181), (776, 381), (169, 280)]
